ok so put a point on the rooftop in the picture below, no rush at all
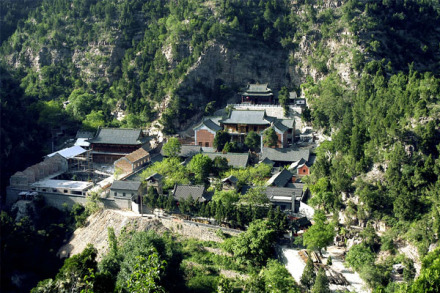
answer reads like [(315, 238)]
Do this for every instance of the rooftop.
[(254, 117), (286, 154), (187, 151), (126, 185), (155, 176), (122, 136), (137, 155), (69, 153), (185, 191), (82, 142), (281, 194), (236, 160), (84, 134), (257, 90), (280, 179), (278, 124), (211, 124), (63, 184), (267, 162)]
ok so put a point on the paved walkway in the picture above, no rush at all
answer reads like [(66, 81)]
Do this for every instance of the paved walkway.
[(295, 265)]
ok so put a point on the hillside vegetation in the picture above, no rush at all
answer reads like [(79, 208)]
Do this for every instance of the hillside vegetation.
[(369, 70)]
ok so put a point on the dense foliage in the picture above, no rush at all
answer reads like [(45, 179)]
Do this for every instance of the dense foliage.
[(373, 87), (29, 244)]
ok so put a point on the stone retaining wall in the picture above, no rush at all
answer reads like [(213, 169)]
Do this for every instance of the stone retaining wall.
[(196, 230)]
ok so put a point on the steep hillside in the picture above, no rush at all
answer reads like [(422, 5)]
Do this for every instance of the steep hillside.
[(369, 70), (96, 231)]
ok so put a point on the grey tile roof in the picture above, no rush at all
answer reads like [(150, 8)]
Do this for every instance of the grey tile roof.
[(298, 188), (295, 165), (267, 162), (273, 192), (208, 149), (187, 151), (278, 124), (285, 155), (84, 134), (258, 88), (236, 160), (185, 191), (122, 136), (280, 179), (289, 123), (126, 185), (211, 124), (254, 117)]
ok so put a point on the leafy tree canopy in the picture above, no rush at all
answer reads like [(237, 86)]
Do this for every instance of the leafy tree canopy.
[(172, 147)]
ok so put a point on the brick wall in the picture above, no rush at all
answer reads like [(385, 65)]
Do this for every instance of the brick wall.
[(204, 136), (304, 170)]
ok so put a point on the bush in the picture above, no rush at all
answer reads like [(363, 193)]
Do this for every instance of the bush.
[(359, 256)]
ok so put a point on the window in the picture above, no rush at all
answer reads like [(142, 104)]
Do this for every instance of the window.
[(206, 144), (115, 194), (65, 191), (43, 189), (54, 190), (200, 143), (255, 128), (304, 170), (123, 194)]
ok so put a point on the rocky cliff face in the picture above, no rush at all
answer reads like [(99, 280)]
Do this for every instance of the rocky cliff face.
[(238, 63)]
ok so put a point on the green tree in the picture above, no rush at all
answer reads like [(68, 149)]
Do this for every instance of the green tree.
[(220, 139), (220, 165), (254, 246), (320, 234), (429, 278), (146, 274), (255, 196), (224, 285), (277, 279), (94, 120), (270, 137), (93, 203), (283, 98), (225, 196), (359, 256), (321, 283), (321, 196), (172, 147), (200, 165), (72, 274), (172, 170), (309, 275), (252, 140)]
